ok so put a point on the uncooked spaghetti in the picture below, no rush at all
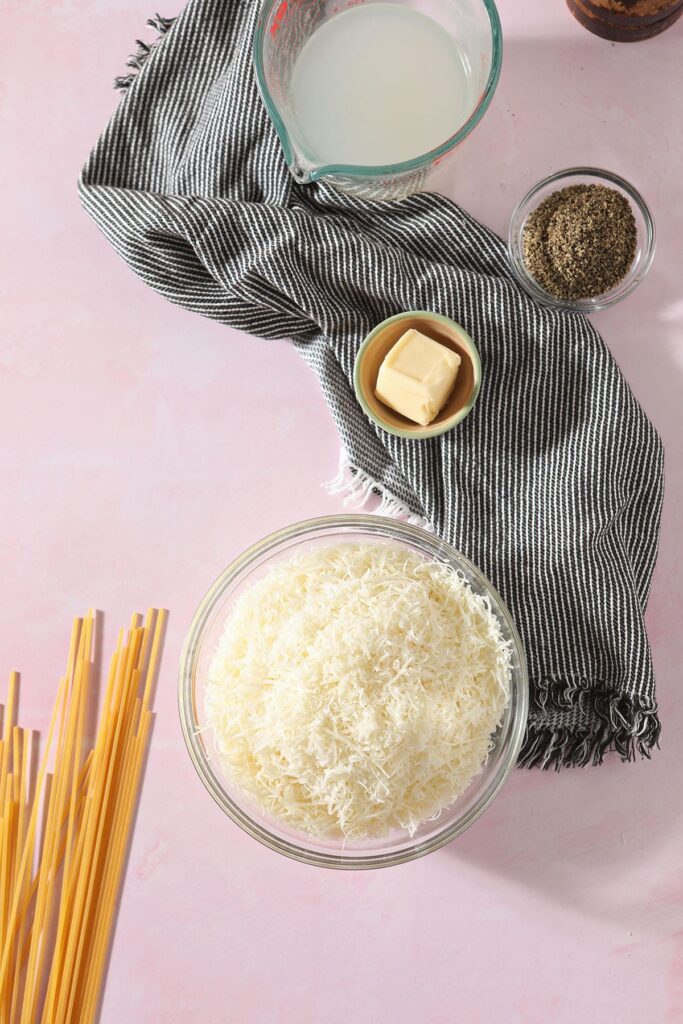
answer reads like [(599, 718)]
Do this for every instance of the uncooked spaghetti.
[(58, 896)]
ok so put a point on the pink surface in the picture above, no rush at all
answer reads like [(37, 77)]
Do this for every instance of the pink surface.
[(131, 472)]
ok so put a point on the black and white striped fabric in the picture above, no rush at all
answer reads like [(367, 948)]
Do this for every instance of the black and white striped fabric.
[(553, 485)]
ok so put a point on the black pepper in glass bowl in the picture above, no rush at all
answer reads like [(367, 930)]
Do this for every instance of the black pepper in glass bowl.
[(581, 240)]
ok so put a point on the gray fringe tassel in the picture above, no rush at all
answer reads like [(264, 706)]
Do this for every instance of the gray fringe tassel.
[(544, 747), (136, 60)]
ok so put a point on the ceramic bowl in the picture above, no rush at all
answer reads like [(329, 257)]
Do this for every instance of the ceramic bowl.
[(374, 349)]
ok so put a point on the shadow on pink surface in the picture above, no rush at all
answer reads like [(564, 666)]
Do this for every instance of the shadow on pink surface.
[(86, 345), (584, 837), (587, 838), (566, 102)]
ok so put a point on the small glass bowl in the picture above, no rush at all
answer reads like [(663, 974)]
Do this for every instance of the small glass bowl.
[(200, 644), (645, 226)]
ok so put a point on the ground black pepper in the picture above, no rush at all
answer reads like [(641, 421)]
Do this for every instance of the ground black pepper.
[(580, 241)]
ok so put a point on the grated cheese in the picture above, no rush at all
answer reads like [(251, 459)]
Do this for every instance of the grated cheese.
[(356, 688)]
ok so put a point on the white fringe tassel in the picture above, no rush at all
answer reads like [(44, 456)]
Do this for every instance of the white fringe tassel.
[(357, 488)]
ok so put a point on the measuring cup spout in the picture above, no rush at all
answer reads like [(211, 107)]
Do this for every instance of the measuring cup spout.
[(301, 170), (301, 167), (300, 175)]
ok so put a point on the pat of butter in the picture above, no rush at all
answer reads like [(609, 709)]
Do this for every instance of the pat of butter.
[(417, 376)]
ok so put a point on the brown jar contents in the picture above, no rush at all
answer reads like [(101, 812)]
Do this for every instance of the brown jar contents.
[(580, 241), (626, 20)]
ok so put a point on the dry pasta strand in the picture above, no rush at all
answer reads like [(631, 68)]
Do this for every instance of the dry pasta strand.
[(58, 896)]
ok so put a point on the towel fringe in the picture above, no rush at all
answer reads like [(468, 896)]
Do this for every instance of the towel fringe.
[(630, 730), (137, 60), (358, 487)]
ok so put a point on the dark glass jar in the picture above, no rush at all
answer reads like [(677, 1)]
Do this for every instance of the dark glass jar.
[(626, 20)]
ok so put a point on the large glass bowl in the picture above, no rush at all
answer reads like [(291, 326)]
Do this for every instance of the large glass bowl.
[(282, 30), (202, 641)]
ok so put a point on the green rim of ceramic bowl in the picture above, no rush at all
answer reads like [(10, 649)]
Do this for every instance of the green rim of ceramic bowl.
[(419, 433)]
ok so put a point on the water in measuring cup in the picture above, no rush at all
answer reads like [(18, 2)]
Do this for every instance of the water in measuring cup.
[(378, 84)]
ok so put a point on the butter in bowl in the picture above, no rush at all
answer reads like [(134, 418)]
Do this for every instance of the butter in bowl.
[(417, 374)]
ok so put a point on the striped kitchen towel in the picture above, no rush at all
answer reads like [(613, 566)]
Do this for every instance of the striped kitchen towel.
[(553, 484)]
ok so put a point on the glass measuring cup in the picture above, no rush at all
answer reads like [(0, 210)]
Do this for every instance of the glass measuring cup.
[(283, 28)]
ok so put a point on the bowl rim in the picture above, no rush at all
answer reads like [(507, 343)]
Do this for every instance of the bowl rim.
[(590, 305), (419, 433), (308, 528), (376, 170)]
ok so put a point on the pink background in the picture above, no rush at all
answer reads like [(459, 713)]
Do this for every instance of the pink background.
[(142, 448)]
